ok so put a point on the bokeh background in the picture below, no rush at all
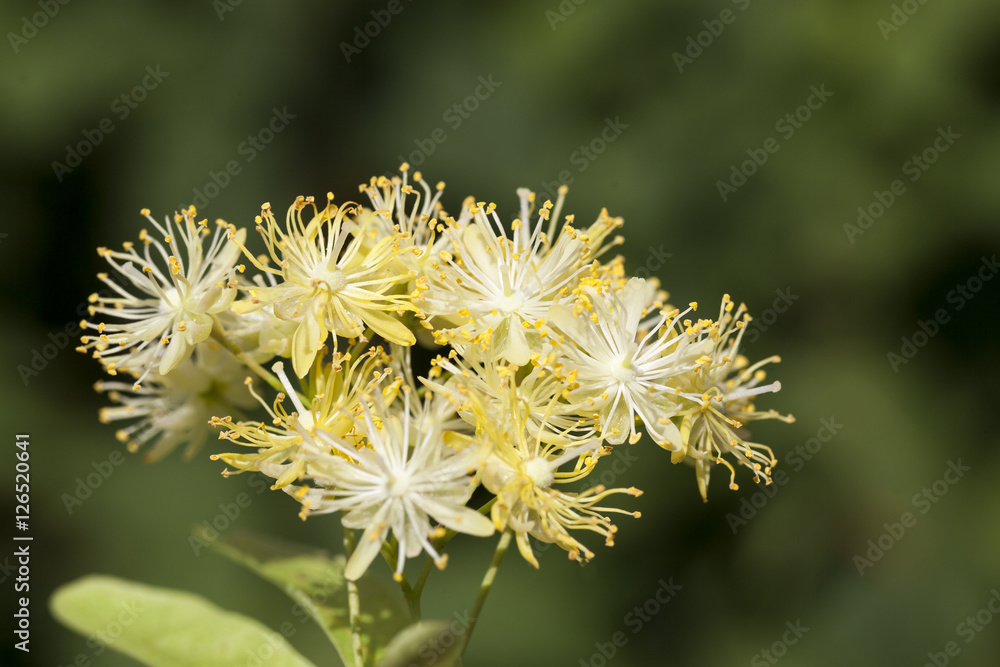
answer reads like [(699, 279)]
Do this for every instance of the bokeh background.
[(690, 87)]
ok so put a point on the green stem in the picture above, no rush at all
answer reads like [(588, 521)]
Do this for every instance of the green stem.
[(484, 588), (353, 603), (413, 593), (266, 375), (390, 554), (418, 588)]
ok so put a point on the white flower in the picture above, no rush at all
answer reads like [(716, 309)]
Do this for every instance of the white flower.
[(416, 220), (621, 372), (332, 279), (259, 333), (165, 307), (397, 482), (542, 391), (721, 394), (436, 410), (174, 409), (525, 475), (501, 286), (281, 444)]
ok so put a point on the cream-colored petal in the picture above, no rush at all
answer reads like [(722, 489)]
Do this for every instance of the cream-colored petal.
[(305, 344), (459, 519), (388, 327), (365, 552), (177, 351), (617, 422)]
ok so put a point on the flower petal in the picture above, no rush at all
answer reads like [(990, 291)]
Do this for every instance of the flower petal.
[(305, 344), (365, 552), (459, 519), (387, 326), (177, 351)]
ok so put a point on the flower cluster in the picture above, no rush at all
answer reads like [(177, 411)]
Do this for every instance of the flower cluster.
[(545, 355)]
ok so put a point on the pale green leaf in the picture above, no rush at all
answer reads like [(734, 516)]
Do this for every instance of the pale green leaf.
[(164, 627)]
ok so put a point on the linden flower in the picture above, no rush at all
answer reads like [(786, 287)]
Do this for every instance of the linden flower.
[(396, 482), (332, 280), (168, 311), (436, 410), (499, 286), (722, 391), (621, 373), (259, 334), (281, 445), (416, 221), (593, 236), (173, 409), (523, 472), (540, 391)]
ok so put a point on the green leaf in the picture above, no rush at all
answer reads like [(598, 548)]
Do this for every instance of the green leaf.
[(165, 627), (315, 580), (425, 644)]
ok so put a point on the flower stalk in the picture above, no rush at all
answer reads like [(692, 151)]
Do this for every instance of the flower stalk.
[(486, 586), (354, 605)]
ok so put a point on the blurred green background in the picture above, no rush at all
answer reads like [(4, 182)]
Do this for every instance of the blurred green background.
[(690, 87)]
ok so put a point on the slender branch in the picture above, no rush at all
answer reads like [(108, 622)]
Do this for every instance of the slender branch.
[(484, 588), (266, 375), (418, 588), (390, 554), (353, 603)]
